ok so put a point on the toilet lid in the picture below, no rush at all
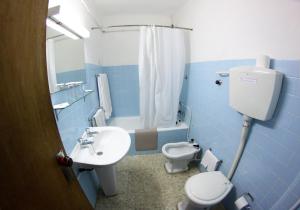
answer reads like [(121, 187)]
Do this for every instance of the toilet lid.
[(208, 186)]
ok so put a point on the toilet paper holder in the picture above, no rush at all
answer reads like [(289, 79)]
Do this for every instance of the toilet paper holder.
[(249, 196), (242, 203)]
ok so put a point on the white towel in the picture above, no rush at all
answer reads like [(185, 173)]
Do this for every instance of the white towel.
[(104, 94), (99, 118), (210, 161)]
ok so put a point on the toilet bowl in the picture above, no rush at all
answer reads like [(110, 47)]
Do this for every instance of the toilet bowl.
[(206, 189), (179, 155)]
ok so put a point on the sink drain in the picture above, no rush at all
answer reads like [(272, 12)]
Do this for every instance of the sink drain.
[(100, 153)]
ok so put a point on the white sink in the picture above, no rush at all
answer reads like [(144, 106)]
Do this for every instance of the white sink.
[(110, 145)]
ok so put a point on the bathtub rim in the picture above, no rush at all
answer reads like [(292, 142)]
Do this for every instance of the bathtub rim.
[(181, 126)]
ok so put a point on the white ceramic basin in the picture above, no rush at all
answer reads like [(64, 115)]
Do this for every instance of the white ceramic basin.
[(110, 145)]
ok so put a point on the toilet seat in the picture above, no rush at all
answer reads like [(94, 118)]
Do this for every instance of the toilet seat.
[(208, 188)]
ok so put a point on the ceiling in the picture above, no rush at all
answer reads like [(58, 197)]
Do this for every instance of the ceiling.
[(113, 7)]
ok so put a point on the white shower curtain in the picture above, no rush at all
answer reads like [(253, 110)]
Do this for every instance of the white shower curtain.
[(161, 72)]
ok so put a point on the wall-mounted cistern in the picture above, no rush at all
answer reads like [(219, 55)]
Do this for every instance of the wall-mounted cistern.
[(254, 92)]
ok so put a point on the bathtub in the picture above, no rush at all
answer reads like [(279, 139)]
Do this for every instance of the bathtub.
[(132, 123), (165, 135)]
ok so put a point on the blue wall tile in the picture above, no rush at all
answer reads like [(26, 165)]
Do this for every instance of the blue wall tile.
[(269, 168), (89, 187), (71, 76), (123, 85), (91, 72), (73, 120), (124, 89)]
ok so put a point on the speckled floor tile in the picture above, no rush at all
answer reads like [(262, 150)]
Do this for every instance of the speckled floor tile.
[(143, 184)]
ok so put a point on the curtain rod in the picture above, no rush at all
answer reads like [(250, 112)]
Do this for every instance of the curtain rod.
[(162, 26)]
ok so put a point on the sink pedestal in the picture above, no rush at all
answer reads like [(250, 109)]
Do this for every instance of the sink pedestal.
[(108, 180)]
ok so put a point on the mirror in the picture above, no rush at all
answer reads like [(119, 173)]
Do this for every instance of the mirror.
[(65, 61)]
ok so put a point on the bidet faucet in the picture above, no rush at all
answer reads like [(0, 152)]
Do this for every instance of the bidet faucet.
[(197, 146), (191, 141)]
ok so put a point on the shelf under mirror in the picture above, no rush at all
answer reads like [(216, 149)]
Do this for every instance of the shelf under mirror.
[(58, 108)]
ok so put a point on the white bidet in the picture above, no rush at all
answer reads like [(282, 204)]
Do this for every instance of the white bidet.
[(179, 155)]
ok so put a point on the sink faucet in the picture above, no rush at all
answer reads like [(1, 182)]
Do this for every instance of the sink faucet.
[(87, 137), (90, 133), (85, 141)]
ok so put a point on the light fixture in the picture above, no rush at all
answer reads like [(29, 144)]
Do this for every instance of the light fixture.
[(73, 25), (66, 23), (58, 27)]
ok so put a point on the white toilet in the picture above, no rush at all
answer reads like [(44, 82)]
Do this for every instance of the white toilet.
[(206, 189), (179, 155)]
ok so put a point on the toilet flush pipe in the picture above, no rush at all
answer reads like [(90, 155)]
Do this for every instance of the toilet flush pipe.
[(296, 205), (244, 137)]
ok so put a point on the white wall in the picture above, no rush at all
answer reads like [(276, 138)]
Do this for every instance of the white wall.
[(235, 29), (93, 48), (120, 47), (69, 55)]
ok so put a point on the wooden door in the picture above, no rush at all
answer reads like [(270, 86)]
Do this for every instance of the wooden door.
[(29, 175)]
